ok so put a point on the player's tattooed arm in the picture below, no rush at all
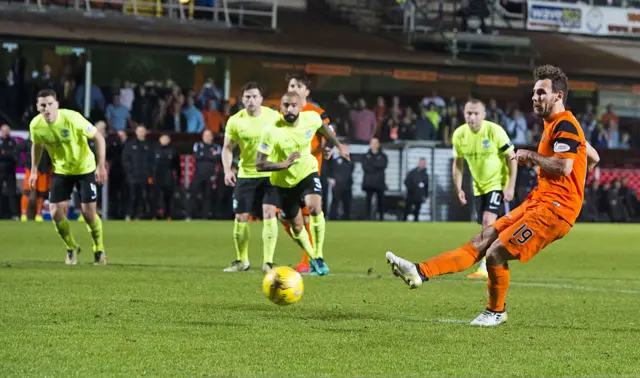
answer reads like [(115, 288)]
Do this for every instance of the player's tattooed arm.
[(327, 131), (264, 165), (553, 165)]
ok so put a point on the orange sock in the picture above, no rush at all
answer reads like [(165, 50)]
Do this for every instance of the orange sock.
[(287, 228), (497, 285), (450, 262), (305, 257), (39, 202), (24, 204)]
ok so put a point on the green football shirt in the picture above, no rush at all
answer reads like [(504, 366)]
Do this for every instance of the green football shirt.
[(66, 142), (246, 130), (282, 139), (484, 152)]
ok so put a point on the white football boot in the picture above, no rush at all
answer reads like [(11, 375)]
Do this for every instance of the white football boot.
[(404, 269), (237, 266), (490, 318)]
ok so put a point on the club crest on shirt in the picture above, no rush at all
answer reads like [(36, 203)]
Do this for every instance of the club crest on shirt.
[(485, 143), (65, 133), (309, 134)]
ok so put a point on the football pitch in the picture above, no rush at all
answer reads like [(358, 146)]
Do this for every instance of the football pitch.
[(163, 306)]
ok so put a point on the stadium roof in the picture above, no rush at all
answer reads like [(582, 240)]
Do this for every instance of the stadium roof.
[(314, 38)]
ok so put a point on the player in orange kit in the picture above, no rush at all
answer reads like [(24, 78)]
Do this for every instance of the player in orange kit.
[(300, 84), (563, 159)]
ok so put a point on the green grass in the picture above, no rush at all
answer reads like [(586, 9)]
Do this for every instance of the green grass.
[(163, 307)]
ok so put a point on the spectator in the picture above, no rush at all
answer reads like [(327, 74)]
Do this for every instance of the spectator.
[(117, 115), (137, 160), (208, 159), (434, 117), (408, 125), (417, 183), (610, 116), (590, 210), (340, 182), (117, 177), (364, 123), (8, 164), (517, 128), (380, 110), (127, 95), (425, 130), (494, 113), (434, 99), (625, 142), (193, 116), (213, 120), (614, 134), (175, 120), (142, 108), (166, 174), (209, 91), (96, 98), (374, 165), (340, 112)]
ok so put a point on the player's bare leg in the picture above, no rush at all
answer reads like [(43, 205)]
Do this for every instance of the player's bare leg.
[(63, 228), (317, 223), (499, 276), (269, 236), (94, 226), (487, 220), (241, 237), (414, 274)]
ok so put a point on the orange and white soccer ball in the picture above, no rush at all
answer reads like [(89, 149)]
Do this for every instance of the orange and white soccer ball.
[(283, 285)]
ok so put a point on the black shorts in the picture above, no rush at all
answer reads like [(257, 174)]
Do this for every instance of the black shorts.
[(62, 187), (251, 193), (492, 202), (292, 199)]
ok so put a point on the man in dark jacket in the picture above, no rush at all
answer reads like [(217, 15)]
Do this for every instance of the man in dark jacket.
[(118, 201), (340, 173), (417, 183), (166, 174), (208, 159), (374, 165), (137, 161), (8, 164)]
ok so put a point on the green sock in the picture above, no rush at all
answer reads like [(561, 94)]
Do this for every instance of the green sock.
[(317, 229), (269, 239), (95, 230), (241, 239), (64, 230), (304, 242)]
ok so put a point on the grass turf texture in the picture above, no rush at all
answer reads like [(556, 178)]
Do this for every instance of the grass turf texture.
[(163, 306)]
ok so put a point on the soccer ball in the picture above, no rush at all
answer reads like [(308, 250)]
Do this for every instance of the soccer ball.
[(283, 285)]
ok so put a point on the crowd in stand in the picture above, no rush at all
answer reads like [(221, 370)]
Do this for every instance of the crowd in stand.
[(163, 106)]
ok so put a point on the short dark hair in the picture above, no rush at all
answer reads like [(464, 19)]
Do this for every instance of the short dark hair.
[(475, 101), (559, 81), (299, 77), (47, 93), (252, 85)]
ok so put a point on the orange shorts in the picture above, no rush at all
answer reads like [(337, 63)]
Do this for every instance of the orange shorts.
[(529, 228), (43, 183)]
